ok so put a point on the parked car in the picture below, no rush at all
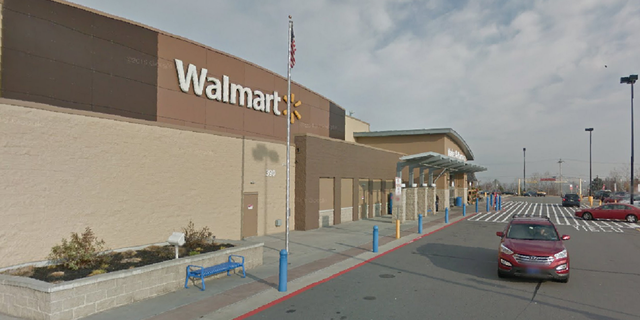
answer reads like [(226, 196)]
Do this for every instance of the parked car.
[(541, 194), (530, 194), (571, 200), (602, 194), (615, 197), (617, 211), (531, 247), (627, 199)]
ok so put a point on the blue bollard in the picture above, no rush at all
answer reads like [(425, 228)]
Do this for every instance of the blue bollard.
[(375, 238), (464, 209), (476, 205), (487, 200), (446, 215), (420, 223), (499, 203), (282, 286)]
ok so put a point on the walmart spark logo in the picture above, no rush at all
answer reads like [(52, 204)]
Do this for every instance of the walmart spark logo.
[(295, 114)]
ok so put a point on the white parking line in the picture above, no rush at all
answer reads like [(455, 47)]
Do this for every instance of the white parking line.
[(521, 207), (541, 206), (492, 215), (572, 215), (506, 212)]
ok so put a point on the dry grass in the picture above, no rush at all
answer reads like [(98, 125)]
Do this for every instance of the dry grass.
[(21, 272)]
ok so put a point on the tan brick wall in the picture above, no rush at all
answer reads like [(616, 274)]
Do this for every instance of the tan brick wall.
[(352, 125), (133, 184), (272, 190)]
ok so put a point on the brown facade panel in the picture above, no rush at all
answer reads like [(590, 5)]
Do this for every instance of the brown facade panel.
[(64, 15), (347, 193), (121, 96), (224, 115), (318, 122), (407, 144), (37, 77), (86, 60), (87, 22), (310, 99), (112, 58), (129, 35), (337, 201), (44, 38), (337, 122), (219, 64), (255, 78), (258, 122), (175, 105), (68, 57), (324, 157), (300, 215), (170, 48)]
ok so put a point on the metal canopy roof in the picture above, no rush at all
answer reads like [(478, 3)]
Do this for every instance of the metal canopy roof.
[(440, 161)]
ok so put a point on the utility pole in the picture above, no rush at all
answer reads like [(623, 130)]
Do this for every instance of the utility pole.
[(560, 188)]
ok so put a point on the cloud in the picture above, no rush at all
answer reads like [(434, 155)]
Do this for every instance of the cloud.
[(503, 74)]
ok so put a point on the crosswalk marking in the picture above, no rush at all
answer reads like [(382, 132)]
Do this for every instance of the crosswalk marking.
[(558, 214)]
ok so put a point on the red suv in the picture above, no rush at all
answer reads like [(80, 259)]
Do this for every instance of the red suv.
[(531, 247)]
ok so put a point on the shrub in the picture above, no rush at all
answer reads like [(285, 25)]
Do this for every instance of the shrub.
[(81, 251), (195, 238)]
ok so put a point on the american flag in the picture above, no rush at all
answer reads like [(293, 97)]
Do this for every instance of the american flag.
[(292, 50)]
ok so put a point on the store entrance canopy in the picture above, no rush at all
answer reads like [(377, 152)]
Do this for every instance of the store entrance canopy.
[(433, 160)]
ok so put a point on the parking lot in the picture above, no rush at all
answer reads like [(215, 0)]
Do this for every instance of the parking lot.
[(559, 215), (451, 274)]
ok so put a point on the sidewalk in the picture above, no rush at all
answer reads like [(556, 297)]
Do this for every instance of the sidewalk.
[(314, 256)]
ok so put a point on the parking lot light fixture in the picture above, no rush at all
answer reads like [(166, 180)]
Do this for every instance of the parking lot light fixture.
[(590, 130), (631, 80)]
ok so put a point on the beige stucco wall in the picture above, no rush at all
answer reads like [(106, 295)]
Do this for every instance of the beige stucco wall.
[(260, 157), (352, 125), (132, 183)]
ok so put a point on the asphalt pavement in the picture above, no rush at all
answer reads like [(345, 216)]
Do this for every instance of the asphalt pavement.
[(314, 257)]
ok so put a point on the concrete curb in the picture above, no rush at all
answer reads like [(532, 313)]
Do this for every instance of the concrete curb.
[(266, 298)]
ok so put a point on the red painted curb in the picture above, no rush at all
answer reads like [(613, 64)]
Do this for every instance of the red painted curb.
[(295, 293)]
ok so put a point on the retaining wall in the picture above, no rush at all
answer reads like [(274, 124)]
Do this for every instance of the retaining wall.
[(34, 299)]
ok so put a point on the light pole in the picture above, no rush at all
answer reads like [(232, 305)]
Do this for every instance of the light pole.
[(560, 188), (590, 180), (524, 170), (631, 80)]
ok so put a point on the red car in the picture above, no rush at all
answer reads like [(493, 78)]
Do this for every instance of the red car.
[(615, 197), (531, 247), (617, 211)]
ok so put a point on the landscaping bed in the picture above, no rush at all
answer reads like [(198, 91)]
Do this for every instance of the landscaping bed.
[(116, 261)]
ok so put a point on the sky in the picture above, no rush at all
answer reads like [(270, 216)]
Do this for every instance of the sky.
[(505, 75)]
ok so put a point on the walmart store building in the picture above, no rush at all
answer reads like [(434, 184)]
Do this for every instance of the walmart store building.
[(133, 131)]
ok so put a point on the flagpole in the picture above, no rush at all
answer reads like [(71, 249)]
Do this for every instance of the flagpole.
[(288, 134)]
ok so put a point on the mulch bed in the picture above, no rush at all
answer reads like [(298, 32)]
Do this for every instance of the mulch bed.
[(119, 261)]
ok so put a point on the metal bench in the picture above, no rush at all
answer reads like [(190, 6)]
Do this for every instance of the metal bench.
[(194, 271)]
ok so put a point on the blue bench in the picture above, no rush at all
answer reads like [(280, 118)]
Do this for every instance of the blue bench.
[(194, 271)]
